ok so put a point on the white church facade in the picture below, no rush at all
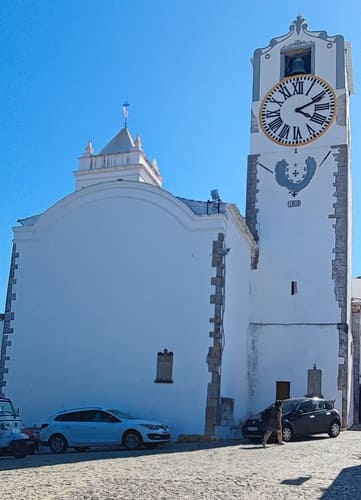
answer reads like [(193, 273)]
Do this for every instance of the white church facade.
[(121, 273), (185, 310)]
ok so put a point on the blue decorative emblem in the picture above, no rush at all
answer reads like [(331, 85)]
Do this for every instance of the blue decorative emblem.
[(295, 178)]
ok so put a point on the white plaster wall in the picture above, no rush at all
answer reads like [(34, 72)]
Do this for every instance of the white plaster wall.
[(285, 353), (356, 288), (234, 364), (296, 244), (108, 277), (139, 172)]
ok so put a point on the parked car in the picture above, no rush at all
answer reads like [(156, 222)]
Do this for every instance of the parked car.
[(300, 416), (81, 428), (14, 439)]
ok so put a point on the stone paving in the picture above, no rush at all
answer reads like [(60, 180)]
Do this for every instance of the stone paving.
[(314, 468)]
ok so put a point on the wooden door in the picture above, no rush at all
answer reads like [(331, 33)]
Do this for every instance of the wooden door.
[(282, 390)]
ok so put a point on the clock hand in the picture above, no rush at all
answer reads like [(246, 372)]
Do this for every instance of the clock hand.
[(307, 115), (313, 100)]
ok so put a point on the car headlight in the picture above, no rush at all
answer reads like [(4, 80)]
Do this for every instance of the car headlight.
[(154, 427)]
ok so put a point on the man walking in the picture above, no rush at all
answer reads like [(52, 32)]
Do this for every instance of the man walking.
[(273, 423)]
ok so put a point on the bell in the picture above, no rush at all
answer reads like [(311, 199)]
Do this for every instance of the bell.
[(298, 66)]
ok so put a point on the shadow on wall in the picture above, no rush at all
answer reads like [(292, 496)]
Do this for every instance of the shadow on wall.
[(346, 485)]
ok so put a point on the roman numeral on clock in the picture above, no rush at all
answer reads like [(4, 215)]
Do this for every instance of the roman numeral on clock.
[(283, 134), (297, 87), (275, 124), (311, 131), (273, 114), (319, 107), (310, 87), (296, 134), (317, 118), (285, 92), (274, 101)]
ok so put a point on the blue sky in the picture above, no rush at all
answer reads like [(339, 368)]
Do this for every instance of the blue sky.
[(183, 65)]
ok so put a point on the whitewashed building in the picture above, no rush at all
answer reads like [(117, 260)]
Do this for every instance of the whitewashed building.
[(117, 297), (183, 310)]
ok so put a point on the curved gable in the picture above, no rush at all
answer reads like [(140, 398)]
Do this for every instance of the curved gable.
[(122, 190)]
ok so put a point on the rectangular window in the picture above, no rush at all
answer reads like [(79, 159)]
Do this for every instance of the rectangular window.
[(164, 367), (293, 287)]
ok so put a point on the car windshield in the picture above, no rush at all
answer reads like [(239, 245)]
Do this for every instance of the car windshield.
[(6, 408), (121, 414), (289, 405)]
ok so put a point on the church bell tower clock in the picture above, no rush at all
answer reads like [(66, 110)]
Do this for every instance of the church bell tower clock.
[(299, 211)]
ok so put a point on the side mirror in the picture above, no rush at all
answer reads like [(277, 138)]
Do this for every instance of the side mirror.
[(298, 412)]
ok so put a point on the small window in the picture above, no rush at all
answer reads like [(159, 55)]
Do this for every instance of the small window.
[(75, 416), (318, 405), (164, 367), (100, 416), (107, 417), (329, 406), (293, 287), (306, 407)]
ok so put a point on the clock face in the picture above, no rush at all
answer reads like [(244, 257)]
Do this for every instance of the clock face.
[(298, 110)]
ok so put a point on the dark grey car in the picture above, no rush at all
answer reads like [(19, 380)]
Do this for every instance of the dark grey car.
[(300, 416)]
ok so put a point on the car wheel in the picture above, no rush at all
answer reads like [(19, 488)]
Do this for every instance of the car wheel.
[(80, 449), (58, 443), (287, 433), (19, 449), (132, 440), (334, 429)]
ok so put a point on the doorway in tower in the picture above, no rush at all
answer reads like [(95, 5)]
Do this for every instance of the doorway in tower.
[(283, 390)]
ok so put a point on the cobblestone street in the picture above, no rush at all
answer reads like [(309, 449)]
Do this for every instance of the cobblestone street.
[(316, 468)]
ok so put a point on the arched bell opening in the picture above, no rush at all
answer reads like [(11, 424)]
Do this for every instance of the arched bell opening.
[(297, 62)]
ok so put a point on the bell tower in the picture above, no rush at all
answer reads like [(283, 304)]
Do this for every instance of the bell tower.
[(299, 211)]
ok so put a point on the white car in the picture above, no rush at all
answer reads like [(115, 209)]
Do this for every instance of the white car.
[(81, 428)]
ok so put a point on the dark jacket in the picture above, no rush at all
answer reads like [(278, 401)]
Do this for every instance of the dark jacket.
[(272, 418)]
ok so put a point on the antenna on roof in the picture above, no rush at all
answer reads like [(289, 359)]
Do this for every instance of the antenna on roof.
[(125, 113)]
